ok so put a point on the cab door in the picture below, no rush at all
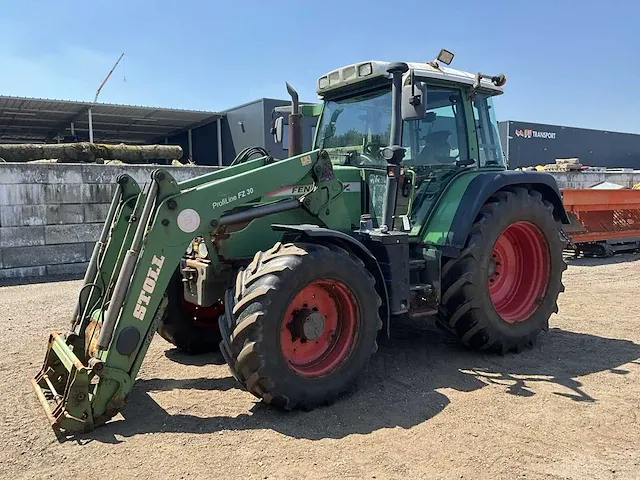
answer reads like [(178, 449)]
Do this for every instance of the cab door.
[(437, 148)]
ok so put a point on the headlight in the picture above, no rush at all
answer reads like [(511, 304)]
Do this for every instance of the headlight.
[(365, 69), (349, 73), (203, 251), (190, 248), (323, 82)]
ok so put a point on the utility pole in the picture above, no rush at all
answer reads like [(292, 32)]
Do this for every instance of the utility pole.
[(98, 93)]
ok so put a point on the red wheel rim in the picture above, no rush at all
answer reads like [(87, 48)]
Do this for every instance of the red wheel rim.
[(519, 271), (319, 328)]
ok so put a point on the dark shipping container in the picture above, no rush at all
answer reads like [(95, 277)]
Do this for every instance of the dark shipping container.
[(530, 144), (243, 126)]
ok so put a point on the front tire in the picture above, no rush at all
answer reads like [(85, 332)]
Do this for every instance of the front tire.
[(303, 324), (503, 287)]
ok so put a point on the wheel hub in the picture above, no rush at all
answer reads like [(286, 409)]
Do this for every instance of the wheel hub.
[(206, 316), (313, 326), (319, 328), (307, 324)]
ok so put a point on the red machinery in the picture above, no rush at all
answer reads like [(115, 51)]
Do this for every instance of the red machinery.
[(603, 221)]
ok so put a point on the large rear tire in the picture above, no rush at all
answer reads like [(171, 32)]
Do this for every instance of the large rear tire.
[(303, 324), (500, 292), (189, 328)]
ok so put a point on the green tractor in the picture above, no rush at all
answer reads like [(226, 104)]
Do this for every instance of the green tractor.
[(295, 268)]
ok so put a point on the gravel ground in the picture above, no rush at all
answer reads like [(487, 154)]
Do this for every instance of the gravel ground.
[(426, 408)]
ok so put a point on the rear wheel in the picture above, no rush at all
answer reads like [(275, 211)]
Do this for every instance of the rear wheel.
[(190, 328), (502, 289), (303, 324)]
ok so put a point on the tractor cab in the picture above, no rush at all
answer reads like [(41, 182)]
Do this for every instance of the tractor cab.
[(456, 130)]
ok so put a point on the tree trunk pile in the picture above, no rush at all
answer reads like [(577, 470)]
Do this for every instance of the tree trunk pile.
[(88, 152)]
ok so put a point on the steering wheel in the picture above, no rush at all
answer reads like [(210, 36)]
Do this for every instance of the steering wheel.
[(371, 151), (372, 148), (367, 159)]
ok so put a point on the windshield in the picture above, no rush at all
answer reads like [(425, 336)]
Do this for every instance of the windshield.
[(353, 130)]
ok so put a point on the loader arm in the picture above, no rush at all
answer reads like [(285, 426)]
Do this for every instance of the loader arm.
[(123, 296)]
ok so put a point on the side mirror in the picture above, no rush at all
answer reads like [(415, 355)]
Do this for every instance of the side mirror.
[(414, 101), (278, 127)]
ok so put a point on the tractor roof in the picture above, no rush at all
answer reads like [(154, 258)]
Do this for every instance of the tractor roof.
[(362, 71)]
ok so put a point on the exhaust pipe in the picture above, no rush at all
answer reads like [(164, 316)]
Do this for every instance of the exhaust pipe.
[(295, 124), (394, 153)]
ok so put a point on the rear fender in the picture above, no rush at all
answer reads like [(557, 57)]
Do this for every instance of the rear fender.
[(478, 191), (315, 234)]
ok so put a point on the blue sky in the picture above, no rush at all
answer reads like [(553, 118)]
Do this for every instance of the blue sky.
[(568, 62)]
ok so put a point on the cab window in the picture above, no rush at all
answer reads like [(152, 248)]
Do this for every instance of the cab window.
[(489, 146), (441, 137)]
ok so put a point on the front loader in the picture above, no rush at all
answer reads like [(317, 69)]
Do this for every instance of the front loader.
[(294, 268)]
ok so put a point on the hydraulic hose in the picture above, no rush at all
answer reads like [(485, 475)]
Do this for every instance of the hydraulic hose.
[(247, 153)]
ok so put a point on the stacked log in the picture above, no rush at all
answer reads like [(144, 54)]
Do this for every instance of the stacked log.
[(85, 152)]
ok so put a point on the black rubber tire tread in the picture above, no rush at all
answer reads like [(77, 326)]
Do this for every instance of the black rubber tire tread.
[(261, 295), (178, 328), (466, 309)]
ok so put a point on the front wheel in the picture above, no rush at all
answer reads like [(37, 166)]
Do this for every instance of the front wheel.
[(500, 292), (303, 324)]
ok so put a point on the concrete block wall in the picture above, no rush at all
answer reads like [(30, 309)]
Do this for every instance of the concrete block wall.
[(52, 214)]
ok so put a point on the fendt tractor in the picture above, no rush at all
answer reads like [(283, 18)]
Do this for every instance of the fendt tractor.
[(295, 268)]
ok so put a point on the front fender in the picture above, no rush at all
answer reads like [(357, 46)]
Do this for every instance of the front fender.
[(346, 241)]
